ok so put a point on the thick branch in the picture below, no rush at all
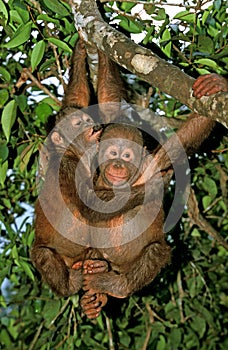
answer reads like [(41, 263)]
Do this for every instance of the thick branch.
[(144, 63)]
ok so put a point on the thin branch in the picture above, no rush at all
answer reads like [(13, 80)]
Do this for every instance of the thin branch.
[(29, 75), (193, 36), (149, 328), (194, 267), (60, 76), (152, 312), (159, 3), (110, 336), (4, 86), (59, 313), (38, 332), (173, 300), (72, 315), (24, 131), (147, 339), (36, 4), (212, 204), (124, 14), (180, 54), (60, 344), (223, 179), (200, 221), (181, 297)]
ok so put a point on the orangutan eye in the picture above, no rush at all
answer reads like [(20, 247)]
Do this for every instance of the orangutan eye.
[(113, 153), (127, 155), (76, 122)]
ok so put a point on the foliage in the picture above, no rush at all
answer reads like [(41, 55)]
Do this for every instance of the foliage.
[(184, 308)]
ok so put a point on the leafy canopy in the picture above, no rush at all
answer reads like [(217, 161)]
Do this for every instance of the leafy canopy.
[(184, 308)]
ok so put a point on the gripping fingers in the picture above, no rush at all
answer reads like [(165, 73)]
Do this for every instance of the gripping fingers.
[(209, 84), (95, 266), (77, 266), (92, 304)]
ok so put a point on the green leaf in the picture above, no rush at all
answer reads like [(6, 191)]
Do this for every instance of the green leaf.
[(206, 201), (207, 62), (21, 36), (150, 8), (30, 239), (23, 11), (37, 54), (161, 345), (4, 95), (46, 18), (175, 337), (9, 117), (130, 26), (73, 39), (69, 26), (14, 252), (57, 7), (50, 310), (210, 186), (51, 102), (15, 17), (166, 39), (217, 4), (5, 339), (213, 31), (199, 325), (43, 110), (3, 10), (47, 64), (4, 74), (3, 172), (26, 155), (26, 267), (4, 151), (202, 71), (205, 313), (127, 6), (125, 340), (6, 203), (205, 16), (195, 233), (205, 44), (148, 35), (185, 16), (22, 102), (60, 44), (161, 15)]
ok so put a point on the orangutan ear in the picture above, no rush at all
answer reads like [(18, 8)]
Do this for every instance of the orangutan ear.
[(56, 138)]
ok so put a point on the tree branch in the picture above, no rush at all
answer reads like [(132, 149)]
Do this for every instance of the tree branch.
[(26, 74), (201, 222), (144, 63)]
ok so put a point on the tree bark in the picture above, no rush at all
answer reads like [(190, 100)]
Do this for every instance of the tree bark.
[(144, 63)]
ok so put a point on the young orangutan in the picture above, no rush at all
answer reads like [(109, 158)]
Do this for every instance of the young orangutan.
[(67, 250)]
